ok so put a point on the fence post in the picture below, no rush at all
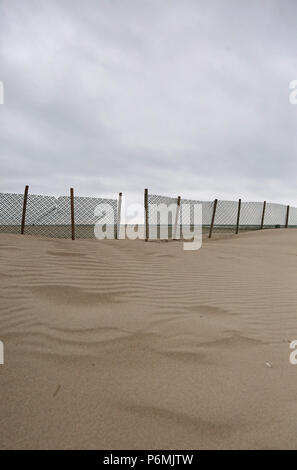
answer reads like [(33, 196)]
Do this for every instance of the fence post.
[(238, 216), (72, 213), (24, 209), (213, 217), (146, 215), (287, 217), (176, 217), (263, 215), (118, 225)]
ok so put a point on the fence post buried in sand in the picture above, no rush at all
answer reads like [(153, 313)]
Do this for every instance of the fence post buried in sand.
[(263, 215), (118, 225), (176, 217), (287, 217), (146, 215), (72, 213), (238, 216), (213, 217), (24, 209)]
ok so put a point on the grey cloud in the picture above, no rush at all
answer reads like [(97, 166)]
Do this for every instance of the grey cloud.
[(185, 98)]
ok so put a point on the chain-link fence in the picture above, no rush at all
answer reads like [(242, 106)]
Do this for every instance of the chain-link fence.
[(165, 217), (49, 216), (219, 217), (292, 219), (157, 227), (181, 215)]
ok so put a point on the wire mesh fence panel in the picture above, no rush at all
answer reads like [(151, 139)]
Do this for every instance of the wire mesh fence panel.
[(47, 216), (161, 216), (51, 217), (225, 217), (187, 218), (275, 215), (90, 211), (11, 208), (250, 215), (183, 216), (292, 222)]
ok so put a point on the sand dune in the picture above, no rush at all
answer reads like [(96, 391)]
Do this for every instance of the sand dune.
[(127, 344)]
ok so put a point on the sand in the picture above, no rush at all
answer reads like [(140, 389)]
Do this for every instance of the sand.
[(134, 345)]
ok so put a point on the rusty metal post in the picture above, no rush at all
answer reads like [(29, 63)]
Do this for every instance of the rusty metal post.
[(24, 209), (287, 217), (72, 213), (213, 217), (176, 218), (146, 215), (238, 216), (263, 215)]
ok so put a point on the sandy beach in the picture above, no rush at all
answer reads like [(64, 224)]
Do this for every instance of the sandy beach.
[(133, 345)]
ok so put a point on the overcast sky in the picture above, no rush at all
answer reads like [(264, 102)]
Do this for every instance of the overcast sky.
[(186, 98)]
